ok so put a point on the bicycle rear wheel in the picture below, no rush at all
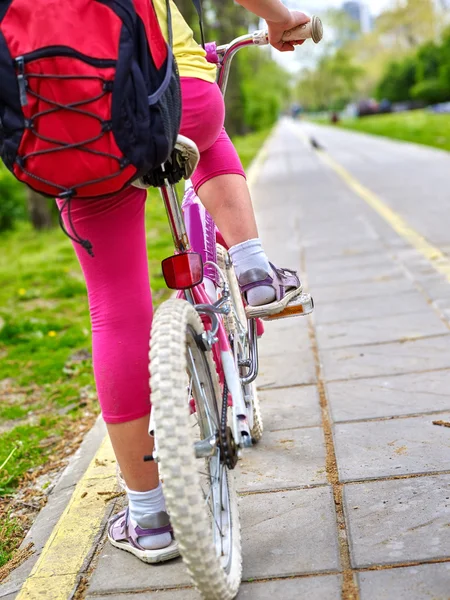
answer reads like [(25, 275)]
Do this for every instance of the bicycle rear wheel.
[(236, 326), (198, 487)]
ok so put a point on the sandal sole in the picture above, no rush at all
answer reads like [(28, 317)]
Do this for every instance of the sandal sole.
[(149, 556), (273, 308)]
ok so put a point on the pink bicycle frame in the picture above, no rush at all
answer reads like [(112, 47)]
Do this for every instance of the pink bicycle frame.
[(193, 230)]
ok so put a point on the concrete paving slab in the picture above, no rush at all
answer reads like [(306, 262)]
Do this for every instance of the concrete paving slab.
[(364, 273), (345, 262), (289, 533), (387, 448), (437, 286), (382, 288), (326, 587), (376, 330), (424, 582), (288, 408), (387, 359), (284, 337), (397, 521), (284, 459), (373, 309), (120, 572), (389, 396), (283, 371), (323, 252)]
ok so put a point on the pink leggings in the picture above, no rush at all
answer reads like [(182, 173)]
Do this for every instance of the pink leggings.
[(117, 279)]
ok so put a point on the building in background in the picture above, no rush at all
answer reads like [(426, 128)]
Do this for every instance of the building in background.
[(360, 13)]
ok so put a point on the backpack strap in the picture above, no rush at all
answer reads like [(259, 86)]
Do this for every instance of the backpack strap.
[(199, 9)]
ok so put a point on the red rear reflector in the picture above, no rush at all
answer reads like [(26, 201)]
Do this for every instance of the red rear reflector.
[(183, 271)]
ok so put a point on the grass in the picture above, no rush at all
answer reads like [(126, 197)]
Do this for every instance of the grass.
[(47, 391), (419, 126)]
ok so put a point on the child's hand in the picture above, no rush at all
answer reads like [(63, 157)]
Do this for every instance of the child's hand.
[(276, 31)]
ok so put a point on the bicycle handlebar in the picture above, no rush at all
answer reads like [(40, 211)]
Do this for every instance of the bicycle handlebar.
[(222, 55)]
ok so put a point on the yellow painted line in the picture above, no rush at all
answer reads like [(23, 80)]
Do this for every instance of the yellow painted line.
[(435, 256), (55, 574)]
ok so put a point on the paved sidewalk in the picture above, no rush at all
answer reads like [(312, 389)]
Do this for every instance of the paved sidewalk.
[(348, 494)]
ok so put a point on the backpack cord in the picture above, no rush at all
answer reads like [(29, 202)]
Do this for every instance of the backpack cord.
[(169, 24), (199, 9), (86, 244)]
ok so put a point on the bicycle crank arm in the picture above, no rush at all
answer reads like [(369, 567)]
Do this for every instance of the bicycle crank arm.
[(240, 427)]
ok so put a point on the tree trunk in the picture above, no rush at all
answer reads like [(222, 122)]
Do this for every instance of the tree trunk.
[(40, 210)]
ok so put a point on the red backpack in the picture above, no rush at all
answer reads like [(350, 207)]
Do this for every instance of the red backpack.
[(89, 94)]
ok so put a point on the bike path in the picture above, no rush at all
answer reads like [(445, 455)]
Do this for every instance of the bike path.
[(348, 493)]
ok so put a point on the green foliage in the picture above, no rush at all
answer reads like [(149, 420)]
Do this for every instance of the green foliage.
[(423, 76), (431, 91), (398, 80), (264, 88), (12, 200), (11, 532), (399, 54), (428, 60)]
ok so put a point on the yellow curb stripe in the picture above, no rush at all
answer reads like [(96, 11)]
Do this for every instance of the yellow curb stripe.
[(56, 572), (435, 256)]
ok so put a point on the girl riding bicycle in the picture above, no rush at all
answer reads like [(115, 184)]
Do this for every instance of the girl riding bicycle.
[(118, 281)]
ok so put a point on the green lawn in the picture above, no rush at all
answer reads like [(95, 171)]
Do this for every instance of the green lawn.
[(417, 126), (47, 392)]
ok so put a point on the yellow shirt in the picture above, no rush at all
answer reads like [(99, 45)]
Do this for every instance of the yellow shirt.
[(189, 55)]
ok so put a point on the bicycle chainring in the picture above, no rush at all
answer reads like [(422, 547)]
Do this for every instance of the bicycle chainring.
[(229, 448)]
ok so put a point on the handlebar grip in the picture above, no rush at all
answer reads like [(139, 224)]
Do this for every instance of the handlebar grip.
[(313, 30)]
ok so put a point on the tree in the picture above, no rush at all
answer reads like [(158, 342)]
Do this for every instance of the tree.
[(12, 200), (40, 210), (398, 80)]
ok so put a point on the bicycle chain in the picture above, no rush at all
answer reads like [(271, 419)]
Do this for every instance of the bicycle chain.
[(227, 442)]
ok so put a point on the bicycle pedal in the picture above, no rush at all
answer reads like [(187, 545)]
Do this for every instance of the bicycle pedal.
[(301, 306)]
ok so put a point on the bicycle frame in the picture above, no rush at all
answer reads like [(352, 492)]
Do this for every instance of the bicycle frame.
[(200, 236)]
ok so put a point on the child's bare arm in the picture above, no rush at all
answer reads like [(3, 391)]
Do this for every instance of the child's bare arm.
[(279, 19)]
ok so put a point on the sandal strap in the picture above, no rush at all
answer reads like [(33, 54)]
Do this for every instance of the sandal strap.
[(121, 528), (282, 281)]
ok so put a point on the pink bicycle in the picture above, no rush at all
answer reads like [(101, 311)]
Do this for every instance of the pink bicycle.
[(204, 362)]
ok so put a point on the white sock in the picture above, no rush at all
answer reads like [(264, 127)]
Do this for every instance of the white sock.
[(250, 255), (141, 504)]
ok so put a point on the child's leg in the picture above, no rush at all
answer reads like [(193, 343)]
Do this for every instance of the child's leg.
[(121, 311), (221, 186), (220, 177)]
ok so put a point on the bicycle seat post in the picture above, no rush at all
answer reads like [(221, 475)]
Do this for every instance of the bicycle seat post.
[(174, 214)]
